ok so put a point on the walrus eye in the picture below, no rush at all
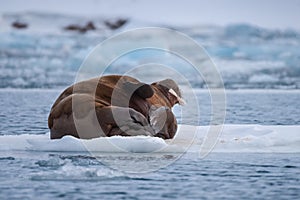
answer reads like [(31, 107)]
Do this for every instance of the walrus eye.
[(179, 99)]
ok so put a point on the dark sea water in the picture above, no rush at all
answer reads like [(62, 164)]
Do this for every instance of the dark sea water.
[(30, 175), (261, 74)]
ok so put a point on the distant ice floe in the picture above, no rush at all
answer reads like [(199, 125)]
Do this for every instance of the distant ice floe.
[(233, 138), (45, 55)]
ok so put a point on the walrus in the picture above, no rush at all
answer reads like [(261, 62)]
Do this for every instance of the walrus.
[(123, 105)]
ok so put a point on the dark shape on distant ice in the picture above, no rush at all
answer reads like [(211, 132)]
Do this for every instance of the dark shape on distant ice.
[(115, 24), (82, 29), (19, 25)]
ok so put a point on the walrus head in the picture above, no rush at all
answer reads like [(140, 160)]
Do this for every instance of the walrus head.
[(171, 91)]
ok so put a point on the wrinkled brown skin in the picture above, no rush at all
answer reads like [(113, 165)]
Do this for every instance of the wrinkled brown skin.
[(140, 96)]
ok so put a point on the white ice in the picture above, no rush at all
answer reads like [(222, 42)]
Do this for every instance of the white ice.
[(233, 138)]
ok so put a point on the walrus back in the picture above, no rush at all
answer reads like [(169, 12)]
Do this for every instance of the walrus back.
[(96, 94)]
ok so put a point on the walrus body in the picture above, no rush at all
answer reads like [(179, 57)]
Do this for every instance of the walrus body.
[(122, 106)]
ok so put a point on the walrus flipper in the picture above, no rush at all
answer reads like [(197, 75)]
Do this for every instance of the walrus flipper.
[(123, 121), (163, 122)]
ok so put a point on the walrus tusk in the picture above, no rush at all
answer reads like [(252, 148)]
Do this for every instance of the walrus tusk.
[(180, 100)]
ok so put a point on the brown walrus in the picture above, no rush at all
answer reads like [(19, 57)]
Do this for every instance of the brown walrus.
[(122, 104)]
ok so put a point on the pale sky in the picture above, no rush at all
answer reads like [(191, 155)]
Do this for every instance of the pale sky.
[(280, 14)]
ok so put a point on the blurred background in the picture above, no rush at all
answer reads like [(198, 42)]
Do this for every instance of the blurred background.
[(255, 44)]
